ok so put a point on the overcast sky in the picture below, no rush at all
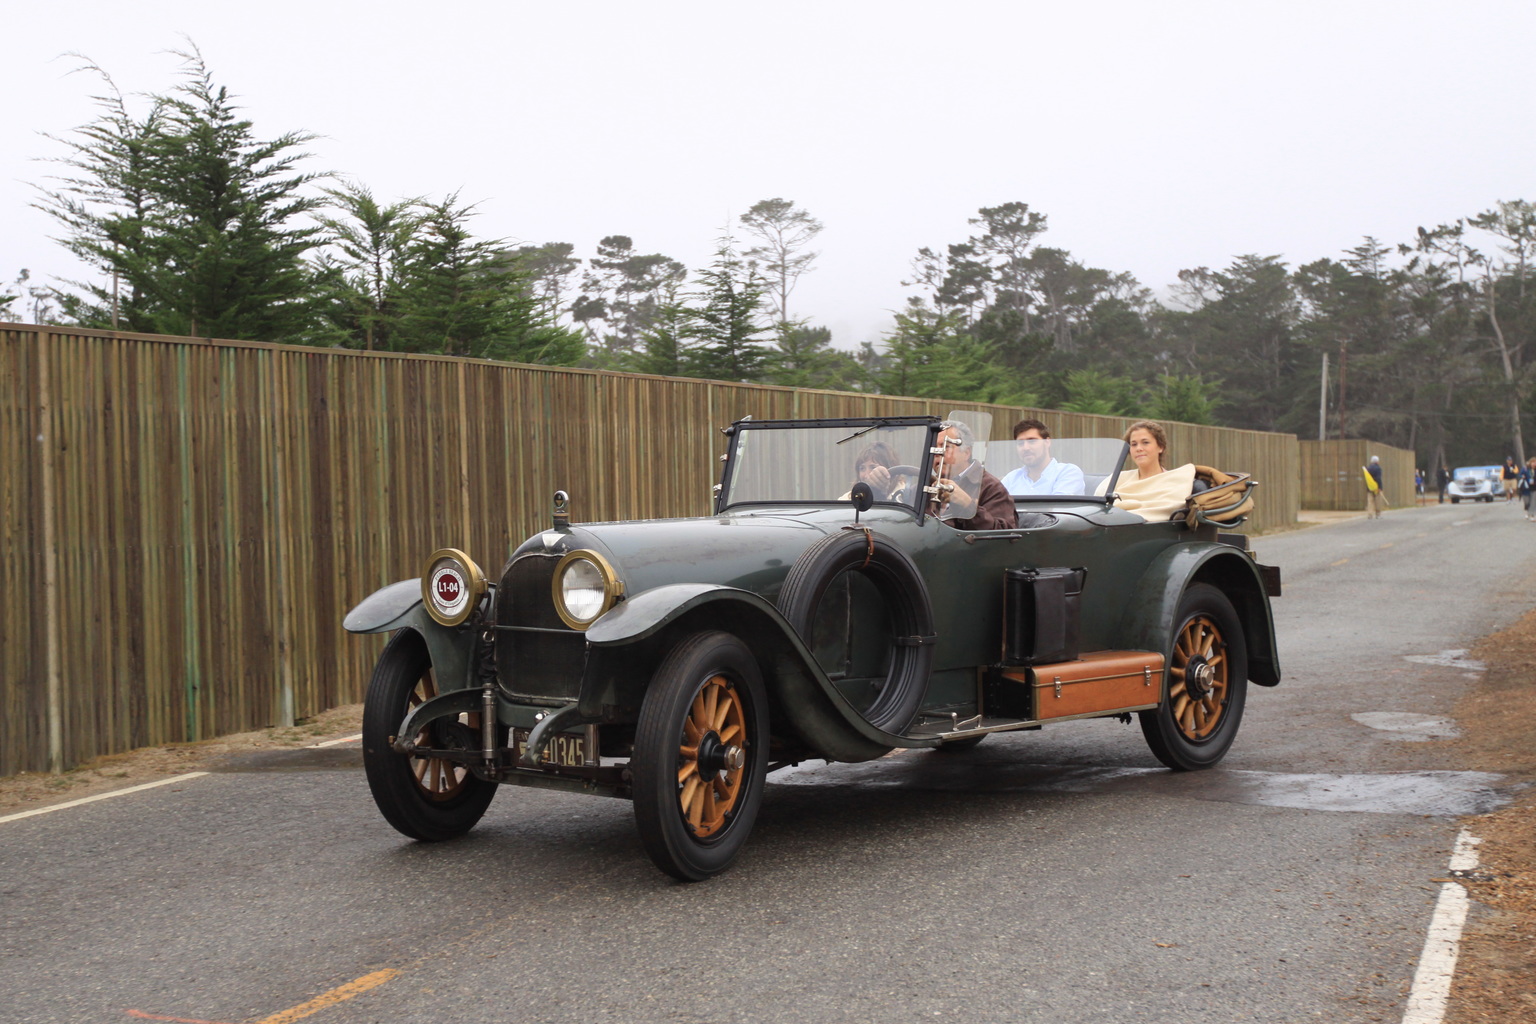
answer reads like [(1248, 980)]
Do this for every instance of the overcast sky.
[(1155, 136)]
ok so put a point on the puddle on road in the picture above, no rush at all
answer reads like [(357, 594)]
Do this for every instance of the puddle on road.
[(1442, 794), (1406, 725), (1448, 659)]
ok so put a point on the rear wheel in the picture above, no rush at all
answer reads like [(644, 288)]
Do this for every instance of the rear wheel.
[(701, 755), (1207, 683), (425, 798)]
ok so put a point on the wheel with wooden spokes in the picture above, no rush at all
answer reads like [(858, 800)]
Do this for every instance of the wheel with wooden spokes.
[(427, 798), (1207, 683), (701, 750)]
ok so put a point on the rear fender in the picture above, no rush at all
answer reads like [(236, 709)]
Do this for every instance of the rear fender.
[(1148, 623), (399, 606), (626, 645)]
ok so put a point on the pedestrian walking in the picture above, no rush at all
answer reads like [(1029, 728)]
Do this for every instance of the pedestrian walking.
[(1510, 475), (1442, 481), (1418, 484), (1374, 499), (1526, 483)]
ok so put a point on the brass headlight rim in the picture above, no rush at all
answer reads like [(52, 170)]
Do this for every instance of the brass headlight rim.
[(474, 579), (613, 587)]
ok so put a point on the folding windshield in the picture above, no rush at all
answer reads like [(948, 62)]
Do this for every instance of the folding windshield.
[(787, 463)]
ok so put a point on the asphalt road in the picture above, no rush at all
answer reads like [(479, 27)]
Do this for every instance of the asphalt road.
[(1055, 876)]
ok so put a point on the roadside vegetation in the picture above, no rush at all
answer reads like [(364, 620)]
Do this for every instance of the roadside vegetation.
[(190, 222)]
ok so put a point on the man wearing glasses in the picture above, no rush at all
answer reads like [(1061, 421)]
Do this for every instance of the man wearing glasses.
[(1040, 474)]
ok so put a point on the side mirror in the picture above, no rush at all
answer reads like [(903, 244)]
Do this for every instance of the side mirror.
[(863, 496)]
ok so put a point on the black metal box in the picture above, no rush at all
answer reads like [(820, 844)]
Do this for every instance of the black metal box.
[(1040, 615)]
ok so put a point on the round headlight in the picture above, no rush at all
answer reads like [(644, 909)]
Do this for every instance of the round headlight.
[(451, 586), (584, 588)]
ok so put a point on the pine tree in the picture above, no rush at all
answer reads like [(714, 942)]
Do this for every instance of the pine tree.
[(371, 241), (464, 296), (197, 221), (728, 320)]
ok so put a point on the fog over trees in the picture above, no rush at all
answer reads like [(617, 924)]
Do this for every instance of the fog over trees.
[(187, 221)]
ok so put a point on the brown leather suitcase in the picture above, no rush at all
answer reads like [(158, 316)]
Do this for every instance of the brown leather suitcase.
[(1096, 682)]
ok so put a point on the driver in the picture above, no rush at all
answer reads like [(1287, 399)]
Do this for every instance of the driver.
[(1040, 473), (874, 466), (969, 497)]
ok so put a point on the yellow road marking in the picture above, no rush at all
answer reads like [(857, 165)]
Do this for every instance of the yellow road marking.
[(1339, 562), (336, 995), (1387, 544)]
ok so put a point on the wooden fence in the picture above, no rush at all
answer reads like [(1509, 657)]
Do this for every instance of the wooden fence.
[(1332, 474), (183, 523)]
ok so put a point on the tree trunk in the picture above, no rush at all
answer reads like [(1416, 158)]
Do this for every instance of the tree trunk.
[(1513, 396)]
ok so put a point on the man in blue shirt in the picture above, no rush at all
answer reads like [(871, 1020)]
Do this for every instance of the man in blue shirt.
[(1040, 473)]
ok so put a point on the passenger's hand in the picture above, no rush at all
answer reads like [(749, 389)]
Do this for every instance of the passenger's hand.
[(953, 494)]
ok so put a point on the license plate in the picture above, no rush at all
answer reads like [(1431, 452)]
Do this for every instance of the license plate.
[(565, 749)]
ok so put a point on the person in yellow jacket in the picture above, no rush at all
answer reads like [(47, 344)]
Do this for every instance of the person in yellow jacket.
[(1374, 499)]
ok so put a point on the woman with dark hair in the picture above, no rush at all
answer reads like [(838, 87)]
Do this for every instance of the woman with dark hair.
[(874, 468), (1152, 490)]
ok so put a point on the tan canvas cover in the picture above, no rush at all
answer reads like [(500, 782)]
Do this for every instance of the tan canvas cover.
[(1228, 500)]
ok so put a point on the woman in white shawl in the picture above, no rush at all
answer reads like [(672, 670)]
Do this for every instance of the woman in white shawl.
[(1152, 490)]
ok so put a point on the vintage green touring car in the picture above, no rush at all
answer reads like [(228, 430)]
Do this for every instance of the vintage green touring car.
[(827, 610)]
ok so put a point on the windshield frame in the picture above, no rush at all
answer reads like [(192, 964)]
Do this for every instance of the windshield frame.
[(918, 498), (857, 427)]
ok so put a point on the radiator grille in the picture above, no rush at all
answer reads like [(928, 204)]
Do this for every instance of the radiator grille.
[(535, 664)]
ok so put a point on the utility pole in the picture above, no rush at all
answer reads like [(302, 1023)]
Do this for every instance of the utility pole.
[(1343, 392), (1322, 403)]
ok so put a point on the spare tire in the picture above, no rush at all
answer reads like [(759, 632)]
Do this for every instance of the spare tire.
[(890, 570)]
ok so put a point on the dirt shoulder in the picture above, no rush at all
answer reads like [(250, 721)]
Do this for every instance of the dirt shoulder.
[(31, 790), (1496, 973)]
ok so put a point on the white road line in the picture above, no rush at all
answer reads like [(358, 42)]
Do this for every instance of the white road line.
[(102, 796), (1437, 964), (147, 785)]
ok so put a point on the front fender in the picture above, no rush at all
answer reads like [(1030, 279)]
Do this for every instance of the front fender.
[(813, 707), (399, 606), (1149, 617), (382, 610)]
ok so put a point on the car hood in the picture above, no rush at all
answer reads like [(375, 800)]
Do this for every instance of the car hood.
[(753, 551)]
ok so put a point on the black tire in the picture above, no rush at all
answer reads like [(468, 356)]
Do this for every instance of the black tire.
[(1455, 500), (1206, 683), (890, 570), (701, 755), (425, 798)]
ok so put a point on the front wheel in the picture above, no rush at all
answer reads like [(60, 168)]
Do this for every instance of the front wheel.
[(1207, 683), (701, 755), (425, 798)]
